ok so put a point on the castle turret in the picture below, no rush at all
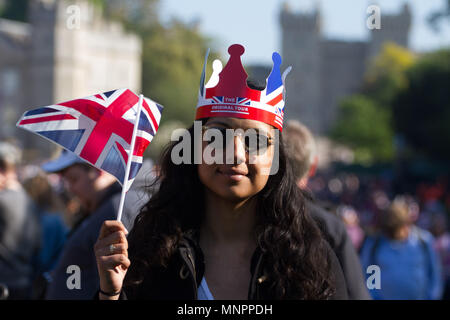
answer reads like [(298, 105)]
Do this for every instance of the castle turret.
[(42, 16), (301, 49), (393, 28)]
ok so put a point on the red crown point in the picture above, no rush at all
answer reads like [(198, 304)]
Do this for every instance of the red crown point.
[(233, 78), (236, 50)]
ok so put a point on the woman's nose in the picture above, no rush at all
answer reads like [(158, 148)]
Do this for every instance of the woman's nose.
[(239, 149)]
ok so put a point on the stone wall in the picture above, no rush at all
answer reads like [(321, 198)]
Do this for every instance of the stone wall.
[(56, 60)]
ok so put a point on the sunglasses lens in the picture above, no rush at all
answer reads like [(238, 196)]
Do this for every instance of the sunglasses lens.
[(254, 142)]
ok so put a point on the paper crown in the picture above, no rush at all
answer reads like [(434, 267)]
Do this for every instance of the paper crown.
[(227, 95)]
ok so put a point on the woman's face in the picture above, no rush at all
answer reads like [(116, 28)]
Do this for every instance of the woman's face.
[(244, 170)]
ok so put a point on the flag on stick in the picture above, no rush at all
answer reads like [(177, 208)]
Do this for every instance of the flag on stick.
[(99, 129)]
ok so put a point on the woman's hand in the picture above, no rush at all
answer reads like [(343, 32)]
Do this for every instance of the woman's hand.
[(111, 252)]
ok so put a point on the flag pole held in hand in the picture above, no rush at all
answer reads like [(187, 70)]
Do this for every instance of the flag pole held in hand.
[(109, 130), (126, 181)]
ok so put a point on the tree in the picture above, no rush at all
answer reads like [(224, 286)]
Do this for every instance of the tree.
[(422, 109), (365, 127), (385, 75), (365, 120), (172, 65)]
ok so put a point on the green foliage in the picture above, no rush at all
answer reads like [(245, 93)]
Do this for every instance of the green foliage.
[(366, 128), (386, 73), (172, 64), (365, 120), (422, 109), (405, 95)]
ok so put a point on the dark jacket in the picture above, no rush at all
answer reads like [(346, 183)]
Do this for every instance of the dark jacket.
[(334, 231), (79, 248), (180, 280)]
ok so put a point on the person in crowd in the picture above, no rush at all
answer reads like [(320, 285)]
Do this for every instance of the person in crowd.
[(54, 230), (350, 218), (439, 229), (99, 194), (20, 230), (301, 152), (409, 266), (230, 228)]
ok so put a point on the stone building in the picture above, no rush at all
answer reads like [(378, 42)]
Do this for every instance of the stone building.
[(324, 70), (66, 50)]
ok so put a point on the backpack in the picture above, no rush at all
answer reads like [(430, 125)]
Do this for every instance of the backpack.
[(376, 244)]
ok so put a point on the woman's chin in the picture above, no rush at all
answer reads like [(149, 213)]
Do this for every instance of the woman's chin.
[(233, 193)]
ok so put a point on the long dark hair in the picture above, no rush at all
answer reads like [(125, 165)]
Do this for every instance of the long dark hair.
[(297, 263)]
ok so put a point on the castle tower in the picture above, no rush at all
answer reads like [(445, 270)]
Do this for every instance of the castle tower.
[(40, 74), (301, 50), (42, 16), (73, 53), (394, 28), (14, 45)]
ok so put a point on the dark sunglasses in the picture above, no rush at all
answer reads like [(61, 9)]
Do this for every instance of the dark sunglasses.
[(254, 141)]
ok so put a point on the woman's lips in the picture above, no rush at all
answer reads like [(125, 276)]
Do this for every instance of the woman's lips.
[(234, 174)]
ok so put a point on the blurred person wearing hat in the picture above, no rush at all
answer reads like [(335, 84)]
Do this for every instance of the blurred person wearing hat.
[(409, 266), (301, 151), (99, 195), (20, 230)]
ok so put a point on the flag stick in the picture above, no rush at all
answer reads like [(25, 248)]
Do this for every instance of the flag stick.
[(130, 155)]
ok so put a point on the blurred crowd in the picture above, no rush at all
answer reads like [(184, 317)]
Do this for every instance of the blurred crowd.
[(405, 233), (362, 201)]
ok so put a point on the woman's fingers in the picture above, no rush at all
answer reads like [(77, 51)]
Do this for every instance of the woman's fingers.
[(115, 238), (111, 226), (112, 249), (115, 260)]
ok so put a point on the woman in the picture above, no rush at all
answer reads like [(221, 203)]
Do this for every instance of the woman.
[(223, 230)]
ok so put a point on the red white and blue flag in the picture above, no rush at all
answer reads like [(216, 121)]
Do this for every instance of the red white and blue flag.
[(99, 129)]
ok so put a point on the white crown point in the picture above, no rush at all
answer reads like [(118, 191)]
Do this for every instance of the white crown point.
[(217, 69)]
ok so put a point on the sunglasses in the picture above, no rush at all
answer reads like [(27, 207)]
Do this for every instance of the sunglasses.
[(254, 141)]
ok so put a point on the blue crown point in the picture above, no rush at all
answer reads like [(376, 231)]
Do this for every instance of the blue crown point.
[(276, 58), (274, 80)]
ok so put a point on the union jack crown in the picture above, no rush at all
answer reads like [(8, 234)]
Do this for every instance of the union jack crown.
[(227, 95)]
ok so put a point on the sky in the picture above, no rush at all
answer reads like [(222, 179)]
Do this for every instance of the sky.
[(255, 24)]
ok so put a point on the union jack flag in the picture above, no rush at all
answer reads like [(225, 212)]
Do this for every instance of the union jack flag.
[(222, 100), (99, 129)]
